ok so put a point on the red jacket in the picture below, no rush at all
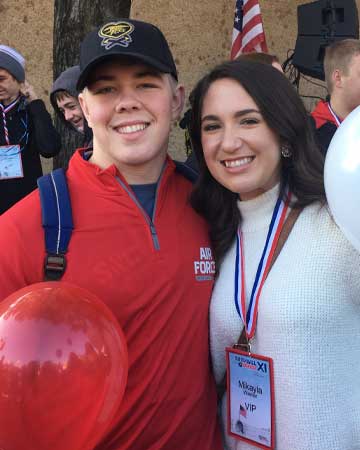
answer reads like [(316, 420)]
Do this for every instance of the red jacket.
[(322, 114), (159, 295)]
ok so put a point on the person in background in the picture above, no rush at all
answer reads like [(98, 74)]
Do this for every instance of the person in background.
[(342, 77), (26, 131), (260, 174), (137, 243), (184, 125), (264, 58), (64, 99)]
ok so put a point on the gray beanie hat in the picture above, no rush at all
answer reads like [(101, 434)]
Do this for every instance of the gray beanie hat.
[(13, 62)]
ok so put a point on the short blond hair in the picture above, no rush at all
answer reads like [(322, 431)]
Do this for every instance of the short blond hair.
[(338, 56)]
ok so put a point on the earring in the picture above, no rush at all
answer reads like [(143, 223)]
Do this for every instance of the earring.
[(286, 150)]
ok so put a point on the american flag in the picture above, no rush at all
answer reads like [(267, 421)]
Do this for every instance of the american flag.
[(242, 410), (248, 32)]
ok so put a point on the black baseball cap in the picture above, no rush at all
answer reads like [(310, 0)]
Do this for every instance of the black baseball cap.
[(125, 37)]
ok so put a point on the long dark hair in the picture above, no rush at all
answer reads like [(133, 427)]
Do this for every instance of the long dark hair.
[(284, 113)]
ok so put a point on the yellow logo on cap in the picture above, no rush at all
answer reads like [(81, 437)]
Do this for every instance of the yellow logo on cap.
[(116, 33)]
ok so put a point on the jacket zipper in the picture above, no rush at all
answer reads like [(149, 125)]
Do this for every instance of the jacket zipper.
[(149, 220)]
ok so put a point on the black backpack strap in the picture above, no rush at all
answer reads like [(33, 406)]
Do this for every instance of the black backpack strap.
[(56, 220), (187, 171)]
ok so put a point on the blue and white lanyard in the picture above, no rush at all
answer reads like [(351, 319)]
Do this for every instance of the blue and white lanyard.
[(276, 224), (25, 136), (332, 112)]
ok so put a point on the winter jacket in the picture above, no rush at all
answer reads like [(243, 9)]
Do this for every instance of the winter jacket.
[(30, 126), (325, 124)]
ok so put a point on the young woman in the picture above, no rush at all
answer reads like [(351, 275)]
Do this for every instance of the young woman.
[(258, 162)]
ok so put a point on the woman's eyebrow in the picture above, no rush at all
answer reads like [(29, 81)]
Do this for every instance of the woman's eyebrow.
[(243, 112), (209, 117), (240, 113)]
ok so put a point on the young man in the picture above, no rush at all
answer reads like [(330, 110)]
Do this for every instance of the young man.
[(64, 99), (342, 76), (26, 131), (137, 244)]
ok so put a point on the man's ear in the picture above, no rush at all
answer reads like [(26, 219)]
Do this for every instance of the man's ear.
[(337, 78), (178, 101), (84, 107)]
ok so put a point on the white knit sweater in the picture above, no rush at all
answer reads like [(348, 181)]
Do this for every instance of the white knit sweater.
[(308, 322)]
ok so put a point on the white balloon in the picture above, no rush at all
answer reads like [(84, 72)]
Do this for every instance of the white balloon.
[(342, 177)]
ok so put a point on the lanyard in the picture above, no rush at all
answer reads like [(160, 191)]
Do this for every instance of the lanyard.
[(336, 118), (276, 224), (4, 111)]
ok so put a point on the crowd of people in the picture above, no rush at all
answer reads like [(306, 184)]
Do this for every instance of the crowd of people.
[(242, 262)]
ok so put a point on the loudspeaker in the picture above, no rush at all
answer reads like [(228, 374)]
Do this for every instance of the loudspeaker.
[(321, 23)]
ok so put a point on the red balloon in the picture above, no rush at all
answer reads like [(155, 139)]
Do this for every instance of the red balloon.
[(63, 368)]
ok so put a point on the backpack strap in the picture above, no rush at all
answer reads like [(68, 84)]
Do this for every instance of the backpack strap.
[(188, 172), (56, 221), (57, 217)]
